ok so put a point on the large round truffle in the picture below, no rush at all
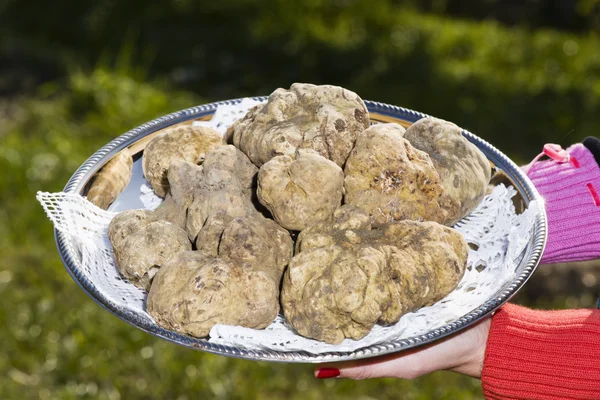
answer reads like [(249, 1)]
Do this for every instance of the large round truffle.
[(390, 180), (193, 292), (324, 118), (345, 280), (463, 168), (300, 190), (142, 244), (189, 143)]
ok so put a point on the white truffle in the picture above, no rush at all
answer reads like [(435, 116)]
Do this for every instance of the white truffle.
[(300, 190)]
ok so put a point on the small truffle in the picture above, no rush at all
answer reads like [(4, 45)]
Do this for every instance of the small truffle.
[(344, 281), (194, 291), (463, 168), (300, 190), (324, 118), (142, 244), (111, 180), (188, 142), (390, 180)]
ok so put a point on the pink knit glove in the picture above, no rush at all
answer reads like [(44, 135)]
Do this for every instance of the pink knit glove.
[(569, 182)]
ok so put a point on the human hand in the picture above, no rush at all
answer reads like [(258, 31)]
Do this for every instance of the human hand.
[(463, 353)]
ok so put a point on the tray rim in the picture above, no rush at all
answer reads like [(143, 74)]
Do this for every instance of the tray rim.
[(523, 185)]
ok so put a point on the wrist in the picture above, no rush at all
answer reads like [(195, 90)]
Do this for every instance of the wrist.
[(473, 353)]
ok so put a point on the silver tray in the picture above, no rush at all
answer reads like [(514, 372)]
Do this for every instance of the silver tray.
[(136, 139)]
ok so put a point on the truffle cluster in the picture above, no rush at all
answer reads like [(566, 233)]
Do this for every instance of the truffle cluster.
[(370, 208)]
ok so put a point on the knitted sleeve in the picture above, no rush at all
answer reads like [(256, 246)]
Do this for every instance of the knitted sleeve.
[(570, 186), (542, 355)]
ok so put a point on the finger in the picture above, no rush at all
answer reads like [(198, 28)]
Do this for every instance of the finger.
[(399, 365)]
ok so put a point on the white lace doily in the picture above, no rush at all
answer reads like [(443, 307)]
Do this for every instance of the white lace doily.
[(497, 236), (226, 115)]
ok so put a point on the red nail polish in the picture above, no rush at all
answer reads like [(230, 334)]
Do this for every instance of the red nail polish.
[(325, 373)]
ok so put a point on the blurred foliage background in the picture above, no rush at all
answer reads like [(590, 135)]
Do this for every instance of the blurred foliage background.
[(75, 74)]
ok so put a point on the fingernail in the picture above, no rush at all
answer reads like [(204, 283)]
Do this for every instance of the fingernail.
[(325, 373)]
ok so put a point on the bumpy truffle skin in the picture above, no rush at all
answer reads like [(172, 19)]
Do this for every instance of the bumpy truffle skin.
[(300, 190), (216, 198), (193, 292), (223, 184), (213, 204), (390, 180), (230, 159), (258, 241), (189, 143), (250, 115), (142, 244), (324, 118), (111, 180), (344, 281), (464, 170)]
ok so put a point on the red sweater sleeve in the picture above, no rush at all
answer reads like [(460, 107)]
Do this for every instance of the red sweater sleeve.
[(542, 355)]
